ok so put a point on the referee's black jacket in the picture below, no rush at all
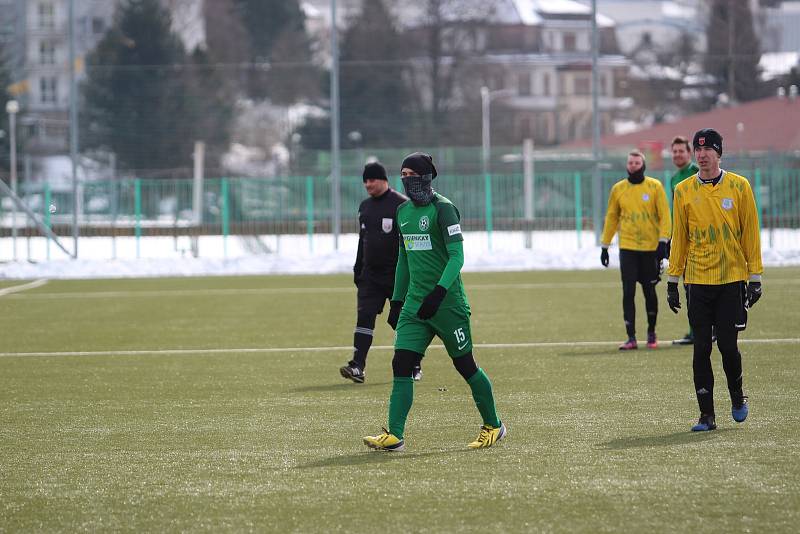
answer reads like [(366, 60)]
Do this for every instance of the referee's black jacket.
[(378, 238)]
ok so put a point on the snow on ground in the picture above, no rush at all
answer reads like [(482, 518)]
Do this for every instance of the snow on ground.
[(104, 257)]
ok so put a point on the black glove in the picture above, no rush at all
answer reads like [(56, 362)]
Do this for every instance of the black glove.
[(673, 297), (662, 252), (430, 305), (604, 257), (753, 293), (395, 306)]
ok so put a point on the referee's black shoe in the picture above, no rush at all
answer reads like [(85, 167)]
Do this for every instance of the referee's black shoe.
[(353, 372), (688, 339)]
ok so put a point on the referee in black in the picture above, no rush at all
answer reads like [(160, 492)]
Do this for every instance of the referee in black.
[(373, 272)]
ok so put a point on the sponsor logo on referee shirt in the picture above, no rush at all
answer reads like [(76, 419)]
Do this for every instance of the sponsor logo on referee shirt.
[(727, 203), (386, 225), (413, 242), (454, 229)]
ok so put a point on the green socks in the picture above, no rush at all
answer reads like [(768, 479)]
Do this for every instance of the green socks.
[(400, 404), (484, 398), (403, 397)]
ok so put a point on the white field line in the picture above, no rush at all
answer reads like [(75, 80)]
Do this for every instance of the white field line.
[(311, 290), (268, 350), (24, 287)]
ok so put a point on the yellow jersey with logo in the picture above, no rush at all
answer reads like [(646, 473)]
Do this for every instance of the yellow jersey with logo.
[(639, 212), (715, 237)]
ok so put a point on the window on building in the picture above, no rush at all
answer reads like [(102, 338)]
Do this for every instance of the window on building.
[(47, 15), (48, 90), (524, 84), (525, 128), (497, 82), (545, 84), (98, 25), (569, 41), (47, 53), (583, 85), (480, 39)]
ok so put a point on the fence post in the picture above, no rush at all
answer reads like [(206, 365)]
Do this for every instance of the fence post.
[(225, 227), (137, 206), (578, 207), (47, 201), (310, 212), (758, 194), (488, 188)]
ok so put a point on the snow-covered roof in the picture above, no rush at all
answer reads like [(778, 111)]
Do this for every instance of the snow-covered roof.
[(776, 64), (531, 12), (527, 12)]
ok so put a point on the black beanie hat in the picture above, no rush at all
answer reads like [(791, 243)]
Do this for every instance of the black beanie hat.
[(374, 171), (708, 137), (420, 163)]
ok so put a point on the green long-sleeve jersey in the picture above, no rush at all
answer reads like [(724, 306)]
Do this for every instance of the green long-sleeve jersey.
[(678, 177), (431, 252)]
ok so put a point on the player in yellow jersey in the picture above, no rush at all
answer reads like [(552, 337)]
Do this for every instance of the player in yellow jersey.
[(638, 209), (716, 247)]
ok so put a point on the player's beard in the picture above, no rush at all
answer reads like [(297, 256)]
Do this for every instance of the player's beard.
[(418, 189)]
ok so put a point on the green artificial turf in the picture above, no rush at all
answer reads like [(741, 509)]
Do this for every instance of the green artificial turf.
[(236, 440)]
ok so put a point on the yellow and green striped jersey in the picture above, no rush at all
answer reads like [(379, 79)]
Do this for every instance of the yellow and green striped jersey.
[(639, 212), (715, 236)]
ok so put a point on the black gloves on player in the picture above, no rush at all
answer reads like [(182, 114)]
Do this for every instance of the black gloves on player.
[(673, 297), (662, 252), (604, 257), (430, 305), (395, 306), (753, 293)]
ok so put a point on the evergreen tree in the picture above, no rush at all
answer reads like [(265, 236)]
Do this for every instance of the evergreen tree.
[(373, 92), (280, 50), (733, 49), (145, 100)]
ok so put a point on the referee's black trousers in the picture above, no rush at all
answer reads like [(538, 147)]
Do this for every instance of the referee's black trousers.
[(721, 308)]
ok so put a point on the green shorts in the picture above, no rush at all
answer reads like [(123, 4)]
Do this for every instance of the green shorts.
[(450, 324)]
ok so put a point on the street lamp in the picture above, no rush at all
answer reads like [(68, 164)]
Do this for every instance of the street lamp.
[(486, 98), (12, 108)]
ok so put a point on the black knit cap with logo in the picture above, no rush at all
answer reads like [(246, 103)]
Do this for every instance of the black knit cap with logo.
[(374, 171), (708, 137)]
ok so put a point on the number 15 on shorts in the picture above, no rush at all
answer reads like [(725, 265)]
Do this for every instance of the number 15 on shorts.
[(461, 338)]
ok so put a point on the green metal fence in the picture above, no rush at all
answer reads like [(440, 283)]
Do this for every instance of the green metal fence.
[(562, 200)]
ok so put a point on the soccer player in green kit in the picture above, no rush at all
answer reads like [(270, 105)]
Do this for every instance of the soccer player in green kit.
[(429, 300), (682, 159)]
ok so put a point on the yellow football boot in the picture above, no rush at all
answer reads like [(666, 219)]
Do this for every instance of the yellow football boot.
[(488, 436), (385, 442)]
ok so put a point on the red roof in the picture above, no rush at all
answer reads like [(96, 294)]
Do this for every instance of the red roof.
[(771, 124)]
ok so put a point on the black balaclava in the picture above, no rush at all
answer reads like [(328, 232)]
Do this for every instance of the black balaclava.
[(418, 188), (638, 176)]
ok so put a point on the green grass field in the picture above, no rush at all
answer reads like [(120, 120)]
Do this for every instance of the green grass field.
[(131, 435)]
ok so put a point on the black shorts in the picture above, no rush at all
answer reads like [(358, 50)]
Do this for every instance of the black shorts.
[(639, 266), (717, 305), (373, 294)]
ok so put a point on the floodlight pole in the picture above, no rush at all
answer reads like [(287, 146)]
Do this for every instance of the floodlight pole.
[(597, 195), (12, 108), (486, 140), (73, 127), (336, 170)]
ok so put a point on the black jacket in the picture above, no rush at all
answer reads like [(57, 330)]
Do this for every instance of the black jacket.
[(378, 237)]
